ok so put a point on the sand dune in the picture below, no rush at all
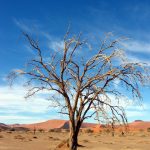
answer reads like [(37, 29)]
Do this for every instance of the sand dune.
[(52, 124), (64, 124), (4, 126), (139, 125)]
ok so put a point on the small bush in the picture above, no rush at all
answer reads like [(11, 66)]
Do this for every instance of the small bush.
[(1, 136), (50, 137), (107, 131), (29, 139), (9, 132), (88, 131), (19, 137), (51, 130), (141, 130), (64, 130), (63, 143), (55, 130), (12, 129), (148, 129), (41, 130), (56, 139), (85, 141)]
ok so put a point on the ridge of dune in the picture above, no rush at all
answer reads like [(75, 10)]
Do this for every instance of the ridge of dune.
[(64, 124), (4, 126), (139, 125), (52, 124)]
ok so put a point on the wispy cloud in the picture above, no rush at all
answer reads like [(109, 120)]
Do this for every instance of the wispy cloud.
[(56, 45), (14, 108), (13, 99), (137, 46), (22, 25), (29, 26), (11, 119), (135, 59), (136, 114)]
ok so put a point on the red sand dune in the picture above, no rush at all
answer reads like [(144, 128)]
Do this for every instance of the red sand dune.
[(4, 126), (64, 124), (134, 126), (52, 124), (137, 125)]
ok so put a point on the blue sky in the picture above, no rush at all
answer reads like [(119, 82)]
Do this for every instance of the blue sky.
[(49, 20)]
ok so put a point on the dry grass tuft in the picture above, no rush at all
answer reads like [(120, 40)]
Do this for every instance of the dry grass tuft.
[(64, 144), (56, 139), (19, 137), (85, 141), (1, 136)]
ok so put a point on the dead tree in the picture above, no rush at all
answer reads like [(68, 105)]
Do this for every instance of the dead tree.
[(86, 84), (113, 127)]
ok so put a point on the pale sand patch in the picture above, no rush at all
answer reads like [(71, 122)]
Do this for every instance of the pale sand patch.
[(91, 141)]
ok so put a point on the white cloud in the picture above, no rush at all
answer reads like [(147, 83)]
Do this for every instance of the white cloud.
[(11, 119), (56, 45), (128, 58), (136, 114), (135, 59), (116, 83), (133, 109), (12, 100), (22, 25), (137, 46), (13, 105), (14, 108)]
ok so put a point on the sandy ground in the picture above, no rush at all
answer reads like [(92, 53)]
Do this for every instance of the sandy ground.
[(91, 141)]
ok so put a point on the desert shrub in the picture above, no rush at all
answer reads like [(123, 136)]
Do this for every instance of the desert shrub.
[(9, 132), (19, 137), (41, 130), (56, 139), (12, 129), (54, 130), (103, 126), (148, 129), (35, 137), (88, 131), (51, 130), (107, 131), (100, 131), (143, 135), (85, 141), (50, 137), (141, 130), (57, 130), (1, 136), (64, 130), (62, 144)]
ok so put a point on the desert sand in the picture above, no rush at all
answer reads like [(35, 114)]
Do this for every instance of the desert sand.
[(51, 134), (21, 140)]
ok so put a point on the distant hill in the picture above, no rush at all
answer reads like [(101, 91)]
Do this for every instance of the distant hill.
[(4, 126), (52, 124), (64, 124), (139, 124)]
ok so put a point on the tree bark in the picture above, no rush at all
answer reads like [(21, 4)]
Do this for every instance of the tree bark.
[(73, 141), (73, 137)]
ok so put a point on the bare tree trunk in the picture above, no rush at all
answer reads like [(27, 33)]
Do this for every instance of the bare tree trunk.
[(73, 141), (73, 137)]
